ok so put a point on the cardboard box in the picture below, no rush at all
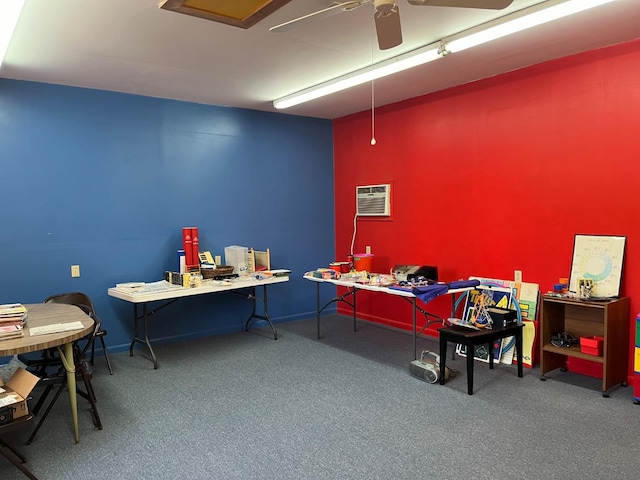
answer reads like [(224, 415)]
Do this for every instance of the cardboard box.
[(13, 395), (591, 345)]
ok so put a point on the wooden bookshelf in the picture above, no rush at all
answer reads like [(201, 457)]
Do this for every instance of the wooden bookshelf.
[(608, 319)]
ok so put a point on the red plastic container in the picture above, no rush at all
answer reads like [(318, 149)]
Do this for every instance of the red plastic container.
[(363, 261), (591, 345), (342, 267)]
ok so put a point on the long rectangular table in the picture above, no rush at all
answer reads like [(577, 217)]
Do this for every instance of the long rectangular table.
[(349, 298), (168, 293)]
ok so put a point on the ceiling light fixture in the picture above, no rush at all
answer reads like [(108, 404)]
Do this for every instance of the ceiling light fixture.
[(526, 18), (9, 13), (517, 22), (364, 75)]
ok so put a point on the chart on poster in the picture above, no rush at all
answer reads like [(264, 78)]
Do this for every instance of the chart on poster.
[(598, 258)]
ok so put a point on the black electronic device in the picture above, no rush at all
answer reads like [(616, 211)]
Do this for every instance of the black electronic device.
[(502, 317), (427, 370), (225, 276), (428, 272)]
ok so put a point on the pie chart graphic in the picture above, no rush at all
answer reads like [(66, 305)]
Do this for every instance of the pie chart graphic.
[(597, 267), (598, 258)]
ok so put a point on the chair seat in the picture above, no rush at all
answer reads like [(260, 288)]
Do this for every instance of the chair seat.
[(9, 451)]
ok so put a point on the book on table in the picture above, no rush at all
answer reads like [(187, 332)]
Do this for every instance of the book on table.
[(10, 312), (12, 320), (7, 332)]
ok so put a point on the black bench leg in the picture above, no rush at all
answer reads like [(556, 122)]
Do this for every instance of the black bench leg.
[(470, 368), (443, 357), (519, 351), (491, 355)]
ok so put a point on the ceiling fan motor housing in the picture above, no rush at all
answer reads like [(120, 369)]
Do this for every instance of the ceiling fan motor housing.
[(384, 7)]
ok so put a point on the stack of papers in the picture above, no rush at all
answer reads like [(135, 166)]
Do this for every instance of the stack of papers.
[(281, 272), (12, 319), (130, 285), (55, 328)]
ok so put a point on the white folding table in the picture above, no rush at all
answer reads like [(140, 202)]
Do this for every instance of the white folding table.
[(349, 298), (168, 293)]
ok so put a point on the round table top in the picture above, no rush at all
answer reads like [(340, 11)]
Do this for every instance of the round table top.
[(40, 314)]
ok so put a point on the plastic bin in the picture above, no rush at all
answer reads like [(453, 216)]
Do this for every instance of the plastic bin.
[(363, 261), (591, 345)]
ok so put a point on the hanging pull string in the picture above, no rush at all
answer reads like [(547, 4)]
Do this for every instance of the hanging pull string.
[(373, 122)]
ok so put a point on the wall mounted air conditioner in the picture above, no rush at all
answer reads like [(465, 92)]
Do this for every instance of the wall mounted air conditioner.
[(373, 200)]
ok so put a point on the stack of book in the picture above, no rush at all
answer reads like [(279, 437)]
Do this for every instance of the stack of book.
[(12, 319), (191, 247)]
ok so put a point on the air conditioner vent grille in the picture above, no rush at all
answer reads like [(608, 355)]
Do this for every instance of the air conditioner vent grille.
[(373, 200)]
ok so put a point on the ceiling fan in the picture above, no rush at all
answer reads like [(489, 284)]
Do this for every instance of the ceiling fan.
[(386, 15)]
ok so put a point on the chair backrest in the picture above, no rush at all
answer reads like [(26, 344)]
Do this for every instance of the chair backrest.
[(79, 299), (82, 301)]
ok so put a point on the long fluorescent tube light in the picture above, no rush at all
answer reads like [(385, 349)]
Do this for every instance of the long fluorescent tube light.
[(518, 21), (388, 67), (515, 22), (9, 13)]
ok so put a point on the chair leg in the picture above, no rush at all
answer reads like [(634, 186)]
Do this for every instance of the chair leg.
[(15, 452), (46, 412), (19, 464), (91, 396), (106, 355), (36, 409)]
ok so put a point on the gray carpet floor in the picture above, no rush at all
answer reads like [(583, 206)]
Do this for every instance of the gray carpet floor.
[(243, 406)]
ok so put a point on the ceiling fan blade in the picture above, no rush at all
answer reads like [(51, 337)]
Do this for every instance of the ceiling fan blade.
[(388, 29), (335, 8), (486, 4)]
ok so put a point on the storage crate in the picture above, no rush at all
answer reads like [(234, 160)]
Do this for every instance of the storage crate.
[(236, 257), (591, 345)]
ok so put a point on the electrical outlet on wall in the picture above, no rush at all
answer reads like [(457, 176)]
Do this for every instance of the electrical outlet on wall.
[(517, 276), (75, 270), (368, 249)]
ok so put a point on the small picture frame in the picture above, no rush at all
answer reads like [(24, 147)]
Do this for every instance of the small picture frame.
[(598, 258)]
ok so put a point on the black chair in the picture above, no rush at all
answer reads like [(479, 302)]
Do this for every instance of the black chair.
[(8, 451), (53, 374), (83, 301)]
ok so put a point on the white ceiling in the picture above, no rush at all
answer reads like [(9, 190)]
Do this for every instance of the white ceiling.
[(133, 46)]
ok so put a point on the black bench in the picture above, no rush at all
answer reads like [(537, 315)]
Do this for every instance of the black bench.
[(470, 338)]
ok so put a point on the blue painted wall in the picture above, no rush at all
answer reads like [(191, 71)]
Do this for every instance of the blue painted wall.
[(107, 181)]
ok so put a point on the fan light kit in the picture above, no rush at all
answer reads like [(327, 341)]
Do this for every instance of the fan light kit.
[(387, 9)]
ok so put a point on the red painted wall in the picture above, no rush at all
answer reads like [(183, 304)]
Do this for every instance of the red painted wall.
[(499, 175)]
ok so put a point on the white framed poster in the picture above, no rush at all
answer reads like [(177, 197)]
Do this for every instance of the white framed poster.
[(600, 259)]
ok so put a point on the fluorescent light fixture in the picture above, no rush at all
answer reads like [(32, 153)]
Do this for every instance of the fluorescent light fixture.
[(515, 22), (364, 75), (518, 21), (9, 13)]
